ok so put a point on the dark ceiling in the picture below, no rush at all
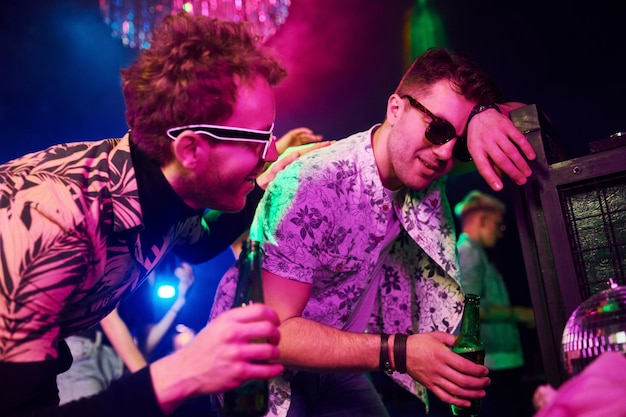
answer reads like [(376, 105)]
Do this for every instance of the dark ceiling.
[(60, 67)]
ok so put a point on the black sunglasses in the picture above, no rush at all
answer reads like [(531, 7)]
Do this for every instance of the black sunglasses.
[(440, 131)]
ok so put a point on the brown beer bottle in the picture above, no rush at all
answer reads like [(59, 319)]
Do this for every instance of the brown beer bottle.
[(469, 345), (251, 398)]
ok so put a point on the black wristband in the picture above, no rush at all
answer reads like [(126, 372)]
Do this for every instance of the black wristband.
[(384, 364), (460, 152), (399, 352), (479, 108)]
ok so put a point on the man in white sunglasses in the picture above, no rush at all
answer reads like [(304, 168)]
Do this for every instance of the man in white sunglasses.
[(82, 224)]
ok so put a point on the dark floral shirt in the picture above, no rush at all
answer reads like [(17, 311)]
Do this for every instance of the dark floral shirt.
[(75, 246), (322, 222)]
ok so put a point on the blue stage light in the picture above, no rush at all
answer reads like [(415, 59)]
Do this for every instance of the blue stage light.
[(166, 291)]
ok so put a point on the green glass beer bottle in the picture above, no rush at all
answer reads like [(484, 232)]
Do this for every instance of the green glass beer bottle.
[(469, 345), (251, 398)]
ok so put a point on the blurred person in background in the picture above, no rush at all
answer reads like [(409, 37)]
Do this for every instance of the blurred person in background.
[(482, 220)]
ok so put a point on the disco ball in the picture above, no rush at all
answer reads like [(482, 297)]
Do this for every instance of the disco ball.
[(596, 326)]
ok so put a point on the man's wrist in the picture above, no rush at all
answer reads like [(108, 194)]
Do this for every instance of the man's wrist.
[(399, 352), (479, 108), (384, 362), (461, 152)]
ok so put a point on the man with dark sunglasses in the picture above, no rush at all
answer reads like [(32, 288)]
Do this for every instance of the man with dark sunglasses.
[(82, 224), (359, 245)]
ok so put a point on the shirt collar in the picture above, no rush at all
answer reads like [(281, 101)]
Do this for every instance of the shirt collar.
[(160, 205)]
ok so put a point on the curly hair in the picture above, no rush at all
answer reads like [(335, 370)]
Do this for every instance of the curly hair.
[(440, 64), (190, 75)]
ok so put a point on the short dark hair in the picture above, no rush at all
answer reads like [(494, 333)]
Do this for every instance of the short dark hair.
[(190, 75), (438, 64)]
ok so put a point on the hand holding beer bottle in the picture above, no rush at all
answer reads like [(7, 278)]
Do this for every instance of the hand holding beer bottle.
[(250, 399)]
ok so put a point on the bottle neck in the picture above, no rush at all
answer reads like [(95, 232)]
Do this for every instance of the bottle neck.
[(250, 246), (471, 318)]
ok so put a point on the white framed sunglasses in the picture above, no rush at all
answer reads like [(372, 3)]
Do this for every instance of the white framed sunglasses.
[(228, 133)]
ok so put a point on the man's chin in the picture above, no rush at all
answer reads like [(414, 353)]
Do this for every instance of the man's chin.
[(417, 184), (422, 181)]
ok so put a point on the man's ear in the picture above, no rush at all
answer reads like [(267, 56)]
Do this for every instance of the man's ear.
[(394, 109), (185, 149)]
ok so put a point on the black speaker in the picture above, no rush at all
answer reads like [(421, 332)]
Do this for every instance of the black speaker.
[(571, 217)]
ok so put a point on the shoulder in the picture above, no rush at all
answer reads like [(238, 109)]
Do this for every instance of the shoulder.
[(59, 181)]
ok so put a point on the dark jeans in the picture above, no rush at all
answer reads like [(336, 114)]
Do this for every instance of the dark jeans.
[(334, 395), (401, 403)]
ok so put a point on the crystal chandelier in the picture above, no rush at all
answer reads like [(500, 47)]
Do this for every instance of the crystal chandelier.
[(133, 20)]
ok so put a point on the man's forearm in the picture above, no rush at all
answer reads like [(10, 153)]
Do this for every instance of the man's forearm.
[(311, 346)]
